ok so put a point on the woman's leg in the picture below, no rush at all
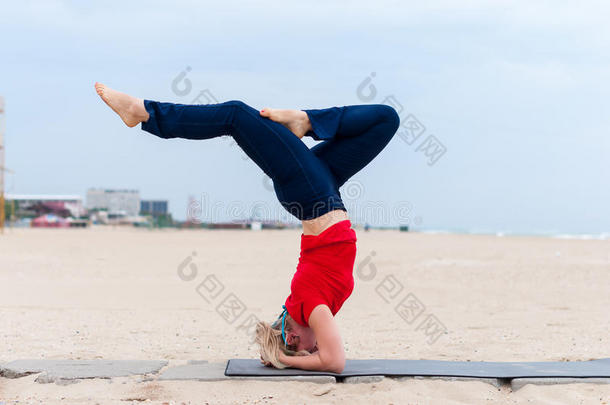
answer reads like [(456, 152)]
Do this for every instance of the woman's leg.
[(303, 184), (353, 136)]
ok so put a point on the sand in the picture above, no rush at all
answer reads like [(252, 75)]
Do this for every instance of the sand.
[(115, 293)]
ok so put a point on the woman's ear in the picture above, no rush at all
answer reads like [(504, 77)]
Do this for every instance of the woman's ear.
[(292, 338)]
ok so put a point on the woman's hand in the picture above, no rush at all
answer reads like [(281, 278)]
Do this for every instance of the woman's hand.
[(281, 357), (284, 359), (265, 363)]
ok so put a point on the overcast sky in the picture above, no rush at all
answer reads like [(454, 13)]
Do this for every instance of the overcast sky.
[(515, 92)]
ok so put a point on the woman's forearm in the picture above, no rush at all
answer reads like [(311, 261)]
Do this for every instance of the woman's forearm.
[(310, 362)]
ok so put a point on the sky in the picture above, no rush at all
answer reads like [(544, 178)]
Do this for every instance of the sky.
[(511, 99)]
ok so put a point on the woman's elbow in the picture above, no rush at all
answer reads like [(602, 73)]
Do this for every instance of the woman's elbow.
[(335, 366), (338, 368)]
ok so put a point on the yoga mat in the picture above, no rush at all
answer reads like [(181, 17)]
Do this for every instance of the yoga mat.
[(590, 369)]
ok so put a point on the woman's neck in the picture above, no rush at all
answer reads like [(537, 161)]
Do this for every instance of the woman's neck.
[(318, 225)]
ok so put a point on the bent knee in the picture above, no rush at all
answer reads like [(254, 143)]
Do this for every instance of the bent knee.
[(237, 103), (389, 114), (240, 106)]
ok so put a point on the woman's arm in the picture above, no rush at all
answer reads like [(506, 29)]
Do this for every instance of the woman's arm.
[(330, 355)]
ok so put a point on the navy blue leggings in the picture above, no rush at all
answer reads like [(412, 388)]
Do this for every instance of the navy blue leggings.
[(306, 181)]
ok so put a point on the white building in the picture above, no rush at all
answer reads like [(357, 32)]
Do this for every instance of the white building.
[(115, 202)]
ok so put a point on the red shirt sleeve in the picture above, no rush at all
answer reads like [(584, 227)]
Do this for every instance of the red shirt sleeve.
[(310, 304)]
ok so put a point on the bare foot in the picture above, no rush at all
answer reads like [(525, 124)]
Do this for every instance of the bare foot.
[(130, 109), (296, 121)]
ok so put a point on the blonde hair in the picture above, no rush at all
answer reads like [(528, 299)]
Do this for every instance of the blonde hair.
[(269, 338)]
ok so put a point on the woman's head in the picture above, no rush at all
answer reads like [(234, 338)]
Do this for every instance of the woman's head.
[(300, 340)]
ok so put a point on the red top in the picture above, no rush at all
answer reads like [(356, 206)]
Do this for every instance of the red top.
[(324, 273)]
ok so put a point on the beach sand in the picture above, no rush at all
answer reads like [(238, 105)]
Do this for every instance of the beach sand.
[(115, 293)]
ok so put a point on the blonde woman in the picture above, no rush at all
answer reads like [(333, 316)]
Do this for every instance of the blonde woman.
[(306, 182)]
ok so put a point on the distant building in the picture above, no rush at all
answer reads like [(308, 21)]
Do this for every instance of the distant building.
[(31, 206), (115, 202), (153, 207)]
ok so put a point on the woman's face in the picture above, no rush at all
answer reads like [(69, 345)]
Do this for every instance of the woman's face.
[(304, 338)]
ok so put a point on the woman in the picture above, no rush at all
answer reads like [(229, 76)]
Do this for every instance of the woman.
[(306, 182)]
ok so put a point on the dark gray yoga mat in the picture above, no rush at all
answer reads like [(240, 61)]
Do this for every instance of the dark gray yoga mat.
[(593, 368)]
